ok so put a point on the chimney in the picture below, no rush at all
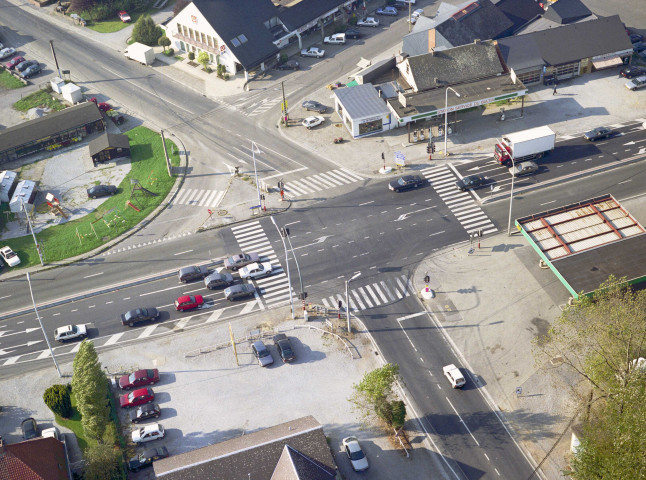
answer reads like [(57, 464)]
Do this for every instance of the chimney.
[(476, 41)]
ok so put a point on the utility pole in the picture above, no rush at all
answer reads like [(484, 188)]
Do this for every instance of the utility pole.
[(285, 114), (410, 25), (31, 229), (42, 328), (283, 233), (51, 44), (303, 294)]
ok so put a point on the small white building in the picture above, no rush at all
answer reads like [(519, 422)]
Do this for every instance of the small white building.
[(25, 192), (72, 93), (362, 110), (7, 180)]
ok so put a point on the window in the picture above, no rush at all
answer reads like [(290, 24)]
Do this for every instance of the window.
[(191, 33), (235, 42), (242, 38)]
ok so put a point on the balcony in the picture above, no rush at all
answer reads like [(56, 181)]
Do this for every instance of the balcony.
[(200, 45)]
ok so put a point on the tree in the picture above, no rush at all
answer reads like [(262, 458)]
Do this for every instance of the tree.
[(57, 398), (203, 58), (145, 31), (102, 462), (373, 394), (179, 6), (164, 41)]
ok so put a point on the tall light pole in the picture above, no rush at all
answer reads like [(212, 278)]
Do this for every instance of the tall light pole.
[(446, 117), (42, 328), (289, 280), (31, 229), (347, 299), (303, 294), (254, 147), (511, 193)]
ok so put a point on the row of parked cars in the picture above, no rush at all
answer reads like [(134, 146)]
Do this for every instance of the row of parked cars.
[(26, 68)]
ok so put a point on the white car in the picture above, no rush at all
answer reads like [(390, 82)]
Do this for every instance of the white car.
[(313, 121), (337, 38), (7, 52), (368, 22), (415, 15), (51, 432), (312, 52), (10, 257), (636, 83), (148, 433), (353, 450), (256, 270), (70, 332), (454, 375)]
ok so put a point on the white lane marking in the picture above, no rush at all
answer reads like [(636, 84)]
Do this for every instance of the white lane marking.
[(94, 275), (56, 314), (366, 203), (6, 296), (437, 233), (75, 310), (463, 422), (158, 291), (182, 253), (411, 342), (625, 181), (547, 203), (114, 339), (411, 316)]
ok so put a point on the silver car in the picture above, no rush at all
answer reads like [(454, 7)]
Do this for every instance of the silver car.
[(523, 168), (262, 353), (240, 260)]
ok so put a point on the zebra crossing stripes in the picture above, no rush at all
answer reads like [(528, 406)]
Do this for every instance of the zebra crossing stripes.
[(321, 181), (374, 294), (198, 197), (462, 204)]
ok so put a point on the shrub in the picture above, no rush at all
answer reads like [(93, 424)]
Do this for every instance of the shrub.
[(164, 41), (283, 58), (398, 413), (191, 56), (146, 32), (170, 52), (203, 59), (57, 398), (353, 20)]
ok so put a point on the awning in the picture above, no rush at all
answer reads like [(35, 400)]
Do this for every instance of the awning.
[(613, 61)]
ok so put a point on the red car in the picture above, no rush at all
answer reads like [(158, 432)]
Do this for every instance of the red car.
[(124, 17), (11, 64), (188, 302), (139, 379), (137, 397)]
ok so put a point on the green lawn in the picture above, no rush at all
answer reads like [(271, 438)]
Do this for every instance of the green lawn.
[(9, 81), (113, 217), (74, 424), (41, 98)]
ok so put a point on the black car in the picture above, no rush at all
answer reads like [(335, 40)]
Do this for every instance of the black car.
[(407, 182), (144, 412), (597, 134), (21, 67), (636, 37), (188, 274), (218, 280), (101, 191), (29, 428), (139, 315), (147, 458), (637, 47), (353, 33), (241, 290), (631, 72), (284, 348), (471, 181), (31, 71), (314, 106), (289, 65)]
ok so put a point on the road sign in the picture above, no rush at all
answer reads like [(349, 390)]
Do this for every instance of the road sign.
[(400, 158)]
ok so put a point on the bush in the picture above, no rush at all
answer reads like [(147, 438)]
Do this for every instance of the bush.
[(191, 56), (208, 69), (164, 41), (398, 413), (170, 52), (283, 58), (146, 32), (353, 20), (57, 398)]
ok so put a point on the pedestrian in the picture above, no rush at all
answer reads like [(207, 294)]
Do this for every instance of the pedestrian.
[(554, 91)]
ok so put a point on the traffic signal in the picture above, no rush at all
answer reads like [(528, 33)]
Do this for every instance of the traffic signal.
[(432, 148), (429, 148)]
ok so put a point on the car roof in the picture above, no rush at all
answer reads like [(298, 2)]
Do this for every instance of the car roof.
[(141, 391), (259, 345)]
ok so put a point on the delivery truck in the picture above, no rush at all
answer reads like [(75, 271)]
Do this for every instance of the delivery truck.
[(140, 53), (526, 145)]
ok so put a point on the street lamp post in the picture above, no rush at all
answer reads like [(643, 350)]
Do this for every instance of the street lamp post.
[(511, 193), (289, 280), (31, 229), (33, 302), (254, 147), (300, 278), (347, 299), (446, 116)]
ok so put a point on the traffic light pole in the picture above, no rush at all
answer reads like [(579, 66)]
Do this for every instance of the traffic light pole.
[(289, 280)]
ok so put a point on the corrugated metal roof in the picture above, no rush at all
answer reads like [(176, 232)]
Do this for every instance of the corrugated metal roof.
[(361, 101)]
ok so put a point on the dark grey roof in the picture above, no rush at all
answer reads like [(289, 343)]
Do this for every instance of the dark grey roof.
[(567, 11), (50, 124), (108, 140), (520, 52), (295, 465), (361, 101), (480, 20), (520, 12), (455, 65), (305, 11), (230, 19)]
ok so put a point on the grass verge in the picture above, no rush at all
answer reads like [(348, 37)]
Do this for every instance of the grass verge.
[(74, 424), (9, 81), (114, 216), (41, 98)]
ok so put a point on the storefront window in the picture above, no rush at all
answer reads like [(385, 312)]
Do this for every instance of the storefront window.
[(369, 127)]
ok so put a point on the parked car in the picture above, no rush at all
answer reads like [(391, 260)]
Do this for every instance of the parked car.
[(22, 66), (256, 270), (639, 47), (353, 450), (51, 432), (137, 397), (10, 257), (415, 15), (240, 260), (523, 168), (70, 332), (453, 374), (337, 38), (406, 182), (148, 433), (353, 33), (289, 65), (312, 105), (188, 302), (104, 107), (314, 121), (262, 353), (29, 428), (101, 191), (147, 458), (391, 11), (7, 52), (631, 71), (31, 70), (284, 347), (241, 290), (597, 134), (406, 2), (139, 378), (194, 272), (312, 52), (636, 37), (124, 17), (470, 181), (11, 64), (139, 315), (218, 280), (368, 22), (636, 83), (144, 412)]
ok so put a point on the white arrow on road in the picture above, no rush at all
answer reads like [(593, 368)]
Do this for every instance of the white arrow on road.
[(495, 188), (3, 332), (14, 347), (405, 215), (641, 151), (318, 240), (474, 169)]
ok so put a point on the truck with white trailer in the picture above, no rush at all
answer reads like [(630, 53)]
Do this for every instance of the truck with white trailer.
[(526, 145), (140, 53)]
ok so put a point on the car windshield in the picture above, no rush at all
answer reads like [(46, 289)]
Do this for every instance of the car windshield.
[(287, 349), (262, 353), (401, 181), (132, 377), (191, 299), (131, 396), (358, 455), (75, 329)]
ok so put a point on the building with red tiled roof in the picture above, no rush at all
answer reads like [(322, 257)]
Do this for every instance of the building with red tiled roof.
[(37, 459)]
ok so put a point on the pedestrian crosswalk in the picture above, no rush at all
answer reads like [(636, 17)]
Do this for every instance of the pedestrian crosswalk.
[(321, 181), (275, 288), (461, 204), (198, 197), (374, 294)]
